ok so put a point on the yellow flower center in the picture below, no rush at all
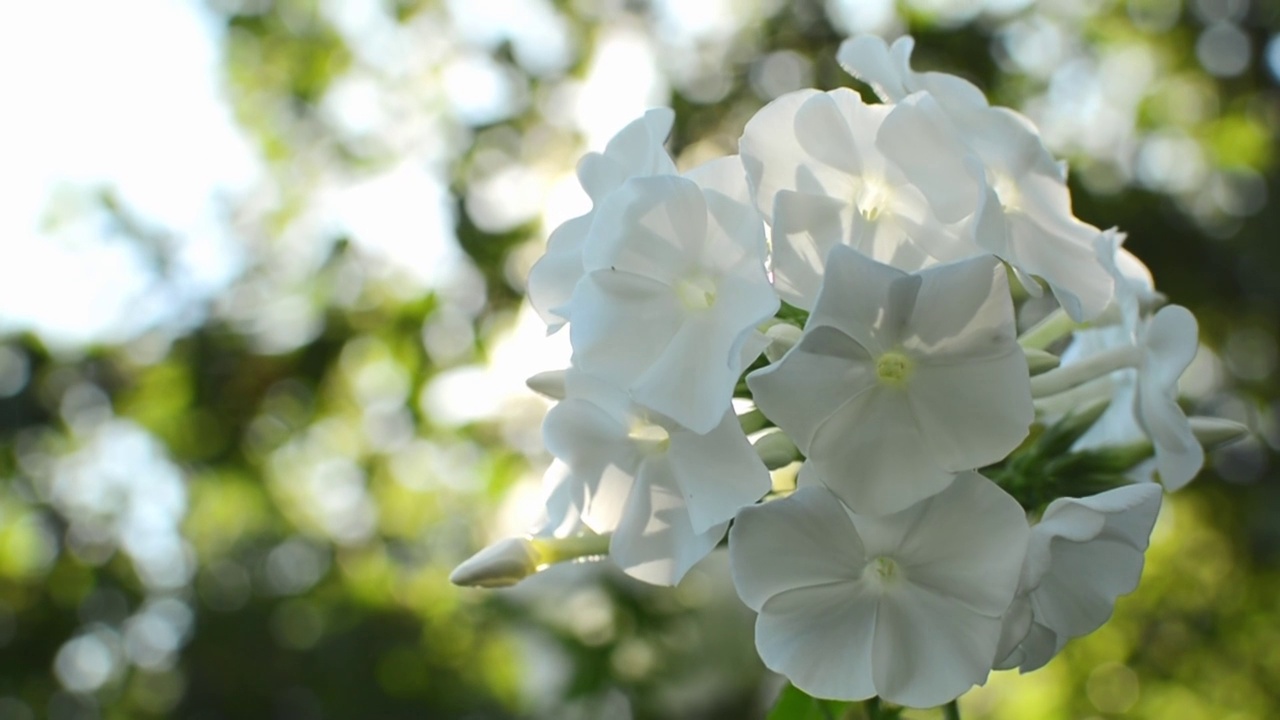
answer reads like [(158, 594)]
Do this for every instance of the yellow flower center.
[(894, 369), (872, 198), (882, 571), (1007, 191), (697, 292), (649, 436)]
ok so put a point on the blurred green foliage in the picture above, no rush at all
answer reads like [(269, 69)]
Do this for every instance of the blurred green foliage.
[(314, 502)]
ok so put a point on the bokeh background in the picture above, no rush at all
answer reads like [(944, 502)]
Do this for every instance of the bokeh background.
[(262, 342)]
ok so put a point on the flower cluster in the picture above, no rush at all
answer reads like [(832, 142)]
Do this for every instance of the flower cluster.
[(967, 496)]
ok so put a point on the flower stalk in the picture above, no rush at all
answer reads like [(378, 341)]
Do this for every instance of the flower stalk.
[(1096, 366)]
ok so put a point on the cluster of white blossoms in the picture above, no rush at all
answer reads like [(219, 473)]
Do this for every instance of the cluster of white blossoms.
[(967, 499)]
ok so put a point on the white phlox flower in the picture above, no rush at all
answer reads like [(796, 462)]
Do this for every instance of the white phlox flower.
[(901, 379), (665, 492), (1142, 379), (887, 69), (1169, 343), (891, 567), (1022, 209), (820, 180), (636, 151), (674, 289), (1134, 288), (1134, 284), (906, 606), (1083, 555)]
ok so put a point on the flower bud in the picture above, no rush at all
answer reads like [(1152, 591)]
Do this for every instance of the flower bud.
[(502, 564), (1215, 432), (548, 384), (776, 450), (781, 339)]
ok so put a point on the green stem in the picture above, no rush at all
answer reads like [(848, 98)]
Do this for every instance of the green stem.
[(1052, 328), (554, 550), (873, 709), (753, 421), (951, 711)]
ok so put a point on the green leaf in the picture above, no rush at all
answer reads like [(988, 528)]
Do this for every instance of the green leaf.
[(795, 704)]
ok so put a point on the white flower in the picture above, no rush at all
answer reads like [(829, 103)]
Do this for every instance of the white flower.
[(1023, 209), (901, 380), (665, 492), (905, 606), (1142, 380), (1134, 287), (820, 180), (888, 71), (1082, 555), (635, 151), (1169, 344), (675, 286)]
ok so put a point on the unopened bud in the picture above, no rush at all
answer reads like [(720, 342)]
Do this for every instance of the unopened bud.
[(782, 337), (1215, 432), (502, 564), (776, 450), (548, 384)]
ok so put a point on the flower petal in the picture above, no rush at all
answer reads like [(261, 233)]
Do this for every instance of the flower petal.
[(1079, 593), (621, 323), (655, 542), (1095, 551), (1015, 627), (1064, 257), (651, 226), (867, 58), (1038, 648), (600, 458), (920, 138), (823, 130), (805, 228), (1126, 513), (972, 414), (963, 311), (554, 276), (821, 639), (693, 378), (819, 375), (1169, 346), (939, 546), (866, 300), (725, 175), (804, 540), (929, 649), (718, 473), (868, 453), (771, 151)]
